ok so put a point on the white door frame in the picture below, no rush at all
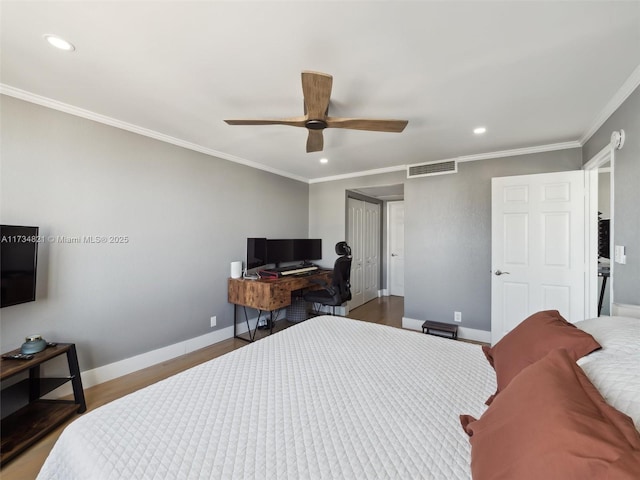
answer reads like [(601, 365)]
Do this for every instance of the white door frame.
[(607, 154), (387, 291)]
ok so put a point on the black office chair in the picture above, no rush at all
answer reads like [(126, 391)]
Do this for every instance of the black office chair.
[(339, 291)]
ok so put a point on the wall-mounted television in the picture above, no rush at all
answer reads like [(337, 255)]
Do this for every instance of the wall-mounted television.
[(18, 262), (293, 250)]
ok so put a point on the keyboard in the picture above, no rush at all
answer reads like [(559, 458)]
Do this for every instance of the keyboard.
[(299, 270), (291, 270)]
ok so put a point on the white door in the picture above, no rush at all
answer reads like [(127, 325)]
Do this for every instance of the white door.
[(396, 248), (371, 247), (355, 219), (538, 248)]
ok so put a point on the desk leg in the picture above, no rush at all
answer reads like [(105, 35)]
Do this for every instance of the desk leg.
[(251, 332), (246, 319), (235, 323)]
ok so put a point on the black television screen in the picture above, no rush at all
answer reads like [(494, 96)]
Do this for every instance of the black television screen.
[(18, 261), (293, 250), (256, 252)]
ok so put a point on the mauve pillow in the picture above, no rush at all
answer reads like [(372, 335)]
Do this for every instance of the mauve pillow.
[(552, 423), (531, 340)]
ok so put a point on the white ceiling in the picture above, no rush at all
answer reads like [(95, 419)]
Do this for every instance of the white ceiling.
[(533, 73)]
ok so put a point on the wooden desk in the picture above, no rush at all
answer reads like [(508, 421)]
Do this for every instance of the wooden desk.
[(267, 295)]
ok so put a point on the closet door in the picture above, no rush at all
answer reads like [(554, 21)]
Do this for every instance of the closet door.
[(371, 247), (355, 216), (363, 237)]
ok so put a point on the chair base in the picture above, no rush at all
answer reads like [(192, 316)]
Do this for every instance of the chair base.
[(316, 309)]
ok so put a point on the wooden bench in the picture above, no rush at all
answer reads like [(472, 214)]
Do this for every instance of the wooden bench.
[(440, 329)]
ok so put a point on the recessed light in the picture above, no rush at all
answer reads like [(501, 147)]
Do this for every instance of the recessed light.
[(324, 160), (59, 42), (479, 130)]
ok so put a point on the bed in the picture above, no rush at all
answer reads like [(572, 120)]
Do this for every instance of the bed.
[(328, 398)]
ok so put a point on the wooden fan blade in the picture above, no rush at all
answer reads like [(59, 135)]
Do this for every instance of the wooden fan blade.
[(294, 121), (316, 88), (315, 141), (370, 124)]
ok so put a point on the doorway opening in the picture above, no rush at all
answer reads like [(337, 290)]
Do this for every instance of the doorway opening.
[(375, 268), (600, 228)]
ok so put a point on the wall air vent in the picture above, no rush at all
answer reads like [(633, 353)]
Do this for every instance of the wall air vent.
[(432, 168)]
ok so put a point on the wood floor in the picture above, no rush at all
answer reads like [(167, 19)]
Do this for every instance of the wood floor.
[(383, 310)]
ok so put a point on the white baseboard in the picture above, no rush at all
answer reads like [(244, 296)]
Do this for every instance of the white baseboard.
[(117, 369), (626, 310), (463, 332), (147, 359)]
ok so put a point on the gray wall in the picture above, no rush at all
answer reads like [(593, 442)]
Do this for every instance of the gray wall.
[(327, 211), (187, 216), (626, 173), (448, 236), (447, 231)]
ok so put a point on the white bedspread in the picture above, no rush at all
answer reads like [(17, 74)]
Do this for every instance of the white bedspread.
[(615, 369), (328, 398)]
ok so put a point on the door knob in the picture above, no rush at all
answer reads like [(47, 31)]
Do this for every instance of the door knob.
[(394, 254), (499, 272)]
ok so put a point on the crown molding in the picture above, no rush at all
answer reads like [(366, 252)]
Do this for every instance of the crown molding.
[(517, 152), (113, 122), (632, 82), (465, 158), (363, 173), (621, 95)]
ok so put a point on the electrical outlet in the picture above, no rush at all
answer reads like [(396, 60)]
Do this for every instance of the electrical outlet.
[(213, 321), (457, 317)]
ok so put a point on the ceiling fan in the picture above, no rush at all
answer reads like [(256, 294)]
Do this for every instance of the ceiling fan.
[(316, 88)]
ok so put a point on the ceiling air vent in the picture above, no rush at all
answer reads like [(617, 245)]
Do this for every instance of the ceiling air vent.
[(432, 168)]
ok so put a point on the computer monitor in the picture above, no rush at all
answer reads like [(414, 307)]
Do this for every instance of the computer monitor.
[(293, 250), (256, 252)]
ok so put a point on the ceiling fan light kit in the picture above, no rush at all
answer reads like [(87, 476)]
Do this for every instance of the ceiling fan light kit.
[(316, 88)]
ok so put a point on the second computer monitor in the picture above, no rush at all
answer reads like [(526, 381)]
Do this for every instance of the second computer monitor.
[(293, 250)]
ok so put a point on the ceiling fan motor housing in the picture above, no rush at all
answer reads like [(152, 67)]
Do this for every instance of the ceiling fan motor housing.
[(315, 124)]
